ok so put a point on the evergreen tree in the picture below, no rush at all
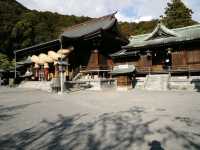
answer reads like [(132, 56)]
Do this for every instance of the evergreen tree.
[(177, 15), (5, 62)]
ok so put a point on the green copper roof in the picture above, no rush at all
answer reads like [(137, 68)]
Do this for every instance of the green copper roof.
[(27, 61), (163, 35)]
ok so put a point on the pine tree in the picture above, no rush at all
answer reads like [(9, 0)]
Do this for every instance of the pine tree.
[(177, 15)]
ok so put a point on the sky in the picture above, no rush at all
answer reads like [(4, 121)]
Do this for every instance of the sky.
[(128, 10)]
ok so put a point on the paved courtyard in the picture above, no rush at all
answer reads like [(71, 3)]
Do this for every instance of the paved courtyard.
[(86, 120)]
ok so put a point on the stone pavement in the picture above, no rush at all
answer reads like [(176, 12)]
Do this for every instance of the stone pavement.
[(139, 120)]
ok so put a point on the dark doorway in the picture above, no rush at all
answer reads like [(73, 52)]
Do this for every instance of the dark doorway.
[(168, 60), (161, 60), (158, 60)]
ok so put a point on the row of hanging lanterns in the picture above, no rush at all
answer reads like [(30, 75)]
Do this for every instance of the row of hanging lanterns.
[(51, 57)]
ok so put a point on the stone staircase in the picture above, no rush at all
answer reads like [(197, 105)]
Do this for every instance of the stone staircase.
[(40, 85), (191, 83), (157, 82)]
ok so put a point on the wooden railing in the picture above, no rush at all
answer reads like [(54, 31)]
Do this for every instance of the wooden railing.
[(172, 69), (153, 69), (195, 67), (102, 67)]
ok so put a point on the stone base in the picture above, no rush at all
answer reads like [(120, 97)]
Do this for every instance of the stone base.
[(124, 88), (101, 84), (39, 85)]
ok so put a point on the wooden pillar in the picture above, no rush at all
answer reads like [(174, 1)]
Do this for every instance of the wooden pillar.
[(56, 71), (36, 71), (110, 63), (41, 73), (94, 60), (46, 71)]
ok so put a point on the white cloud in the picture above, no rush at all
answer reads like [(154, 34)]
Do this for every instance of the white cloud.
[(121, 17), (128, 10), (144, 18)]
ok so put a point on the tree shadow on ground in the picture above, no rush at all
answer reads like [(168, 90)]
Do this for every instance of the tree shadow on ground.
[(187, 140), (120, 131), (9, 112)]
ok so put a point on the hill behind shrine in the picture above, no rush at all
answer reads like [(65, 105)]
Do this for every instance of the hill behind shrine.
[(21, 27)]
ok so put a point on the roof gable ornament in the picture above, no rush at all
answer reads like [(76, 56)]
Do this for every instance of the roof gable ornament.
[(161, 31)]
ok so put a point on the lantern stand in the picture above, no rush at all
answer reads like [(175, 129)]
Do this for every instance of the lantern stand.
[(15, 64), (61, 67)]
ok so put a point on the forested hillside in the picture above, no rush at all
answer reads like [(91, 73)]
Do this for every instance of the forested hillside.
[(137, 28), (21, 27), (10, 12)]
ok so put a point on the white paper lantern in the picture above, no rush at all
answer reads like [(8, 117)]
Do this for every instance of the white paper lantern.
[(45, 58), (41, 62), (34, 59), (46, 65), (64, 51), (53, 55)]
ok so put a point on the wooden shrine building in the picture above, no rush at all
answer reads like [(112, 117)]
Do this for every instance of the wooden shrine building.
[(164, 50), (92, 42)]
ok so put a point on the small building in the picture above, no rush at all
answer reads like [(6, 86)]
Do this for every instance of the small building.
[(175, 51), (124, 75)]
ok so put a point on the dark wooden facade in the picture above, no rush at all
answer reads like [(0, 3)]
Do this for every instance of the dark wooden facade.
[(93, 42), (99, 61), (124, 80), (184, 60), (175, 53)]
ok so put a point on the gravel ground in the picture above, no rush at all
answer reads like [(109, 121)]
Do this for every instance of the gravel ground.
[(135, 120)]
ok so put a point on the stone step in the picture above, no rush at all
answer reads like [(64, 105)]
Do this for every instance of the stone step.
[(41, 85), (184, 83), (157, 82), (166, 82)]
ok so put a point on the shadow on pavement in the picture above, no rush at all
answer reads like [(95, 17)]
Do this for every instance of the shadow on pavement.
[(9, 112), (122, 130)]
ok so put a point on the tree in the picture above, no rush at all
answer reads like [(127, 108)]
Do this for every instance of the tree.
[(5, 62), (177, 15), (10, 13), (133, 28)]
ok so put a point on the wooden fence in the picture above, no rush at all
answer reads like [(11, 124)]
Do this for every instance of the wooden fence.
[(171, 69)]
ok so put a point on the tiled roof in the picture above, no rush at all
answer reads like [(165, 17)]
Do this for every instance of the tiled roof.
[(170, 36), (38, 48), (90, 27)]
